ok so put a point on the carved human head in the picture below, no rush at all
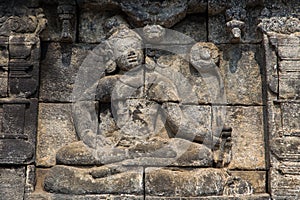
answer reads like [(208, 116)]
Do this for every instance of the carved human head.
[(127, 48)]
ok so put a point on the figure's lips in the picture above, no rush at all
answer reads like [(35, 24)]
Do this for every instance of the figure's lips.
[(132, 58)]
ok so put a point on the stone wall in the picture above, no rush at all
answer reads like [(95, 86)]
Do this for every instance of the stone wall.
[(176, 99)]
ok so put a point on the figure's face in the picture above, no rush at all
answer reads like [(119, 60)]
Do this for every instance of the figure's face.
[(129, 54), (154, 33)]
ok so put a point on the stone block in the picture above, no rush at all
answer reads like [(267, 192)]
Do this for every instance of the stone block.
[(286, 148), (52, 31), (257, 179), (218, 34), (50, 196), (248, 145), (191, 122), (12, 181), (291, 118), (241, 74), (242, 197), (15, 151), (4, 57), (284, 186), (3, 84), (55, 130), (59, 68), (289, 85), (181, 182), (189, 84), (13, 119), (24, 53), (17, 130), (289, 79), (289, 52), (194, 26), (91, 25), (97, 180)]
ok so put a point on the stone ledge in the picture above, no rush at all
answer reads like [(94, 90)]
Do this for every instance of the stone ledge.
[(48, 196)]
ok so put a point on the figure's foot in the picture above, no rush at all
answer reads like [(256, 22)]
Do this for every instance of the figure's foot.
[(97, 180), (77, 153), (173, 152)]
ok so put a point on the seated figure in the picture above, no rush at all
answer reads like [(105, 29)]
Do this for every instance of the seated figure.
[(148, 116)]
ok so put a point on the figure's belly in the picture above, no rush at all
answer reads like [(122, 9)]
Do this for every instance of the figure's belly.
[(138, 119)]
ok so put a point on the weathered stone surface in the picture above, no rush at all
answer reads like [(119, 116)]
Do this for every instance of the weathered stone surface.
[(30, 180), (49, 196), (194, 26), (12, 181), (241, 74), (89, 21), (138, 119), (286, 148), (188, 82), (76, 154), (13, 119), (3, 84), (289, 80), (155, 152), (282, 25), (290, 118), (66, 11), (237, 186), (257, 179), (284, 186), (158, 107), (283, 105), (289, 73), (24, 53), (189, 122), (15, 151), (177, 152), (271, 68), (52, 31), (197, 6), (4, 58), (172, 182), (166, 14), (248, 149), (243, 197), (217, 32), (17, 131), (55, 130), (59, 69), (98, 180)]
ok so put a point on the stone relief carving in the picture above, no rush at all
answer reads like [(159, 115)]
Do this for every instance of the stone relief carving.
[(281, 42), (145, 121), (21, 44), (19, 75), (154, 124), (235, 25), (66, 12), (283, 25)]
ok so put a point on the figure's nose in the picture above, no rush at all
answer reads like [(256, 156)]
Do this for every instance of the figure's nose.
[(131, 53)]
